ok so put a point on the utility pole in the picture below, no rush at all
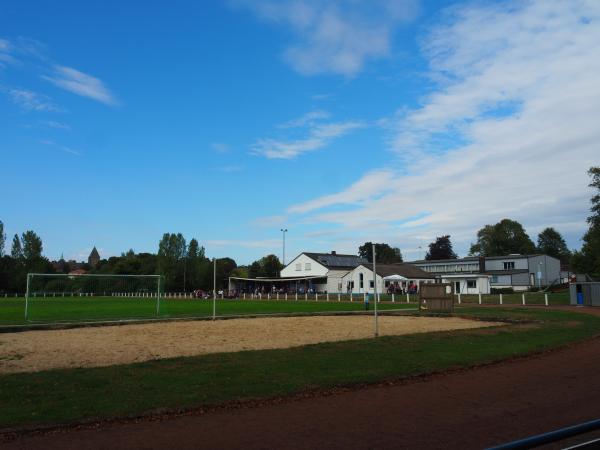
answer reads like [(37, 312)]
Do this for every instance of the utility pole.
[(375, 291), (283, 230)]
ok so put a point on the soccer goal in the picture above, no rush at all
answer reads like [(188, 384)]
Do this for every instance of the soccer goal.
[(74, 297)]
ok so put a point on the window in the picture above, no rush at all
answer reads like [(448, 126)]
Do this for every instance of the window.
[(307, 266), (471, 284), (298, 266), (371, 284), (360, 283), (508, 265), (494, 279)]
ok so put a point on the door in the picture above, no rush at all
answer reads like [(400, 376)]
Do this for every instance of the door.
[(457, 287)]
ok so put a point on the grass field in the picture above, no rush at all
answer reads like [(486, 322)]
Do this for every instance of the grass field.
[(69, 395), (77, 309)]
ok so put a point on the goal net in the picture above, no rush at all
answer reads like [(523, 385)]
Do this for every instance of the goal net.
[(70, 297)]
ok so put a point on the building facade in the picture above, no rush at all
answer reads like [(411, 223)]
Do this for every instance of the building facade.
[(518, 272)]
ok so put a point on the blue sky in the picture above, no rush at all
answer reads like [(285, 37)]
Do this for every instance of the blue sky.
[(341, 121)]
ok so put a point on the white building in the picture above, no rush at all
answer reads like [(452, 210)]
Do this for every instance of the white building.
[(402, 277), (517, 272), (329, 267)]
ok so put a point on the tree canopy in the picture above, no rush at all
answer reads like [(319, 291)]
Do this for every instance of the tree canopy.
[(551, 243), (504, 238), (441, 249), (268, 266), (587, 260), (385, 253)]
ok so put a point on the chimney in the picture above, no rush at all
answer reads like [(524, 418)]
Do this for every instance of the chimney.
[(333, 252), (482, 264)]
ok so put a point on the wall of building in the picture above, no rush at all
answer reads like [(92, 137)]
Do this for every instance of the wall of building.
[(550, 269), (335, 281), (499, 264), (303, 266), (482, 285)]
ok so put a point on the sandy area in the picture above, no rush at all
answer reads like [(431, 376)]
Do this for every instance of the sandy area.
[(103, 346)]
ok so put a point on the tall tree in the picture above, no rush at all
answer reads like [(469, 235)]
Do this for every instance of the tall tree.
[(504, 238), (16, 251), (2, 239), (587, 260), (385, 253), (551, 243), (441, 249), (268, 266), (172, 250), (32, 245)]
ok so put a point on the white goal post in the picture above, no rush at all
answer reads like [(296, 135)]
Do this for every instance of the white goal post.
[(45, 285)]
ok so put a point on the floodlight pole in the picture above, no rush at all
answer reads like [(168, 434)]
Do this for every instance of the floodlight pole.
[(283, 230), (214, 288), (375, 291)]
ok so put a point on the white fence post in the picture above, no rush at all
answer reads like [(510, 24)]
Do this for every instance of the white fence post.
[(500, 298), (278, 296), (296, 296), (339, 299), (327, 296), (546, 299), (480, 298), (523, 297), (393, 300), (459, 298), (407, 297), (306, 296), (316, 297)]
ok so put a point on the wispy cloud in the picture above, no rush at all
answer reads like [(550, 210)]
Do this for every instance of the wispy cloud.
[(220, 147), (60, 147), (307, 119), (519, 97), (270, 221), (31, 101), (81, 84), (318, 135), (55, 124), (335, 37)]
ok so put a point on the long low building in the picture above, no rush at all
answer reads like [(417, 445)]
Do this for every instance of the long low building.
[(398, 278), (517, 272)]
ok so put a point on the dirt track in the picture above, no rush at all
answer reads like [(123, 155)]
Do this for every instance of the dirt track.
[(103, 346), (467, 409)]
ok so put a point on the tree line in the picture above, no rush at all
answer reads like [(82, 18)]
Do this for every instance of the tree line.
[(186, 267)]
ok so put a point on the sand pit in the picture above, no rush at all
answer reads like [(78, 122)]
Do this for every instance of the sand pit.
[(104, 346)]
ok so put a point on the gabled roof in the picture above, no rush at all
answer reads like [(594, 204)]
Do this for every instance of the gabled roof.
[(406, 270), (336, 261)]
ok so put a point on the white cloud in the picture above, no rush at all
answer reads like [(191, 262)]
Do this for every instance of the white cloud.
[(262, 244), (319, 136), (307, 119), (60, 147), (55, 124), (270, 221), (220, 147), (335, 37), (519, 94), (81, 84), (31, 101)]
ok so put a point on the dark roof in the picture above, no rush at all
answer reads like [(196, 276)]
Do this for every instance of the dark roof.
[(336, 261), (94, 253), (406, 270)]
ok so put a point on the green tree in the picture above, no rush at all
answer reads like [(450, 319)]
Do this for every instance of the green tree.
[(172, 250), (441, 249), (268, 266), (225, 266), (504, 238), (385, 253), (32, 245), (587, 260), (16, 251), (2, 239), (551, 243)]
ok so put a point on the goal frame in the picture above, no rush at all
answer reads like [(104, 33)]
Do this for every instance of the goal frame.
[(90, 275)]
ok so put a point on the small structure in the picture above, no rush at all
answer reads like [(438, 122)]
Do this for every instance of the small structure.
[(585, 293), (94, 258), (436, 298), (396, 278)]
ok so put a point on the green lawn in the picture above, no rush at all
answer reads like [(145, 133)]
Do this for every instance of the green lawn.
[(47, 310), (61, 396)]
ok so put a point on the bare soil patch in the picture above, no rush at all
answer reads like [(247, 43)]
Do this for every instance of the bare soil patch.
[(104, 346)]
